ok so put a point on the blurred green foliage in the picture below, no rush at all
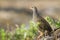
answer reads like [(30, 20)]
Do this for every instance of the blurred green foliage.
[(26, 34), (53, 22), (21, 33), (2, 34)]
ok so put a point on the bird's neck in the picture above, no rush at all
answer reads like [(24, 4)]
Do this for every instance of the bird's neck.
[(35, 14)]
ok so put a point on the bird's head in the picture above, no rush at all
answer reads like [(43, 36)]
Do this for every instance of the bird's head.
[(34, 9)]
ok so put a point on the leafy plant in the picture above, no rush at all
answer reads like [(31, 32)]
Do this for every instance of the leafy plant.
[(53, 22), (2, 34), (26, 34)]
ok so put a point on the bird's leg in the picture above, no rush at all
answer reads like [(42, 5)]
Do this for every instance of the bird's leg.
[(40, 35)]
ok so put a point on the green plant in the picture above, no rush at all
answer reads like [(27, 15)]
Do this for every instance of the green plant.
[(2, 34), (21, 33), (53, 22), (26, 34), (32, 30)]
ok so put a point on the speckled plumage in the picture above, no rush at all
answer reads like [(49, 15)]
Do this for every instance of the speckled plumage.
[(44, 26)]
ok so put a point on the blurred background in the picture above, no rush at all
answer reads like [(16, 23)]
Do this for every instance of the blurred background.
[(46, 5)]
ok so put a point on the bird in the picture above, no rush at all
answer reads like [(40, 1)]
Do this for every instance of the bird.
[(44, 25)]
